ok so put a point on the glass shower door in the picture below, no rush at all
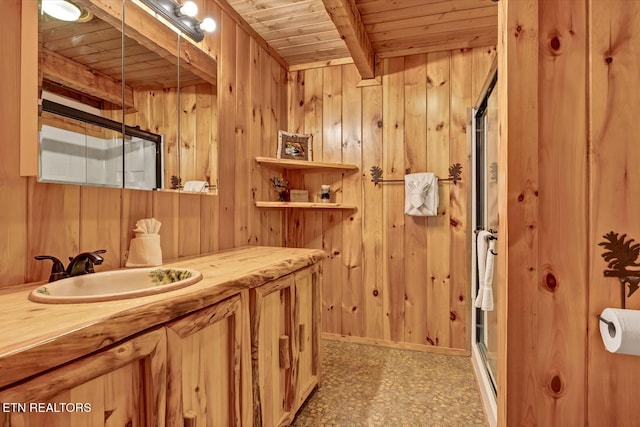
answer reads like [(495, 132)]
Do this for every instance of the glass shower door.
[(486, 218)]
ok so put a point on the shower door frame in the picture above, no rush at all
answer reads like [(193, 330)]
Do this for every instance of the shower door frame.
[(488, 384)]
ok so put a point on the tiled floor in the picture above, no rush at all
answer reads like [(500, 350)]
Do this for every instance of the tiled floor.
[(364, 385)]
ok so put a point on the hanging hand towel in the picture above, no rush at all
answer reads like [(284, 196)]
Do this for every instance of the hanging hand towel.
[(196, 186), (482, 247), (421, 194), (144, 249), (487, 289)]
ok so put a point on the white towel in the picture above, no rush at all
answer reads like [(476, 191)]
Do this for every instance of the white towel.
[(421, 194), (487, 298), (196, 186), (482, 246)]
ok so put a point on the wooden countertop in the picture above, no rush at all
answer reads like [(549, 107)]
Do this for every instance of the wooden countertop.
[(35, 337)]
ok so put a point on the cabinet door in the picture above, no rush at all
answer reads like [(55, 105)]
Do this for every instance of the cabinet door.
[(121, 386), (205, 366), (306, 323), (271, 350)]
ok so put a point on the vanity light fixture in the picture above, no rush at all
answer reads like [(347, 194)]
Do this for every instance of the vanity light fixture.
[(189, 8), (61, 9), (207, 25), (183, 17)]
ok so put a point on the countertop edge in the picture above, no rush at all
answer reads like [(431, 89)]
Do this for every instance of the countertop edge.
[(87, 337)]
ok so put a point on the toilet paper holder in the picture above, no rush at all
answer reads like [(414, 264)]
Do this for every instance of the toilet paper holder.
[(611, 327), (608, 322)]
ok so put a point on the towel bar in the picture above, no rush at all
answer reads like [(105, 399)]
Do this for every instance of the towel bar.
[(455, 172)]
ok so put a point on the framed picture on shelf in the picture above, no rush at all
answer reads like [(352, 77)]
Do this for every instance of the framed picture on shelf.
[(294, 146)]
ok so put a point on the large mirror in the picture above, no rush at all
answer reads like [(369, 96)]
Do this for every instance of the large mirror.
[(126, 102)]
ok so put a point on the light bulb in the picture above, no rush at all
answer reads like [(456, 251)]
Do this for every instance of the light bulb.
[(189, 8), (208, 25), (61, 9)]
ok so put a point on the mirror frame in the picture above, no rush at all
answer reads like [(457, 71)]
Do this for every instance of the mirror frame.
[(29, 146)]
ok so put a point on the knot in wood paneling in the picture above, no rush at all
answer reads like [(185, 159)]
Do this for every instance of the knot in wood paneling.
[(518, 31), (555, 384), (549, 279)]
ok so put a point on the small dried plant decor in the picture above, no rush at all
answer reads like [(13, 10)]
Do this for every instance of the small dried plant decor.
[(281, 186)]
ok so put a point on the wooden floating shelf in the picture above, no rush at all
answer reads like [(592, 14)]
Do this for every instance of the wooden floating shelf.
[(305, 205), (303, 165)]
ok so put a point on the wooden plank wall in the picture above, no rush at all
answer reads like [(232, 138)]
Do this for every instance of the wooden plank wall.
[(568, 175), (391, 279), (62, 220), (613, 204)]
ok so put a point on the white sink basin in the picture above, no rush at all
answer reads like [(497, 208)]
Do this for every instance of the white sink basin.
[(115, 285)]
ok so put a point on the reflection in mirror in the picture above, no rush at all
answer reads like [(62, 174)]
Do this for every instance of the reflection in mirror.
[(154, 83), (174, 97), (75, 60), (168, 88), (198, 128), (89, 145)]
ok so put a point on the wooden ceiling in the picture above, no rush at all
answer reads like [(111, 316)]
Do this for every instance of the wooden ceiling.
[(403, 27), (301, 32), (309, 31), (97, 46)]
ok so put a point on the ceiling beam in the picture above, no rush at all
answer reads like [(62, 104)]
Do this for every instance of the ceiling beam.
[(69, 73), (348, 22)]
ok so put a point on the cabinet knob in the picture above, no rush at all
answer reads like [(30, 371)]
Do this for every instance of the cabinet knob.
[(190, 418), (285, 361), (301, 338)]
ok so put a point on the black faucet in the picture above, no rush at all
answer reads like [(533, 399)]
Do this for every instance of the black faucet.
[(83, 263), (80, 264)]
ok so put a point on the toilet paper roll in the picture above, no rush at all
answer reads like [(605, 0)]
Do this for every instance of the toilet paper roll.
[(622, 334)]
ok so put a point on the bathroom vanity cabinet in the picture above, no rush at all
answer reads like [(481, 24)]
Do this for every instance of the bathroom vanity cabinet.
[(207, 361), (123, 384), (240, 348), (285, 320)]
